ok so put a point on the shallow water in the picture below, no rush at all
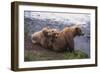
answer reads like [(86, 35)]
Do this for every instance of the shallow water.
[(82, 43)]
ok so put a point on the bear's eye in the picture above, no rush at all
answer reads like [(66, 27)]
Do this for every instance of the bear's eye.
[(52, 31)]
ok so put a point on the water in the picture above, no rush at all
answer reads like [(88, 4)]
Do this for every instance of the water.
[(82, 43)]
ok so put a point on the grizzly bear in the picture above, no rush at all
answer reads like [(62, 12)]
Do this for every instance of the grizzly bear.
[(39, 37), (65, 39), (44, 37)]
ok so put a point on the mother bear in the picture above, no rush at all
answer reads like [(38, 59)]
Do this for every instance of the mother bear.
[(65, 39)]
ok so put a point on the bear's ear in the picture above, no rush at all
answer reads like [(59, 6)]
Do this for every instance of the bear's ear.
[(77, 28)]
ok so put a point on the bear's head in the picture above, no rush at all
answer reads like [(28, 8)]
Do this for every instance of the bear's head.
[(78, 31), (46, 31), (55, 33), (50, 32)]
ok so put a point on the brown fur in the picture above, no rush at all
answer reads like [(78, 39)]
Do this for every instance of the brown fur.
[(65, 39), (44, 37), (55, 39)]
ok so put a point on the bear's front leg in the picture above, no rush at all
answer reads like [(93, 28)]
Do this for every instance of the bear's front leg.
[(70, 45)]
